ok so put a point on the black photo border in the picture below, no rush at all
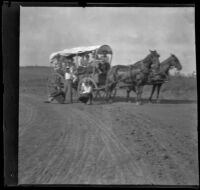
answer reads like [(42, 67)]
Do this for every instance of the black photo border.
[(10, 85)]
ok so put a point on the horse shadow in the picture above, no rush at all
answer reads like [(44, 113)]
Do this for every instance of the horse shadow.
[(175, 101), (145, 101)]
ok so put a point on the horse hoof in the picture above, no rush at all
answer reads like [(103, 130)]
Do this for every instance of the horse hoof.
[(150, 102), (157, 101), (138, 103)]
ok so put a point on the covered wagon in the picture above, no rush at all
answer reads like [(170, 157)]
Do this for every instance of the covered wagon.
[(91, 63)]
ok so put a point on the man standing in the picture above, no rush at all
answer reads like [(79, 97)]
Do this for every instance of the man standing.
[(68, 86), (70, 77)]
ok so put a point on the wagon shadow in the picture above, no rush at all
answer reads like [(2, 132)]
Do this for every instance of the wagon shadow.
[(146, 101)]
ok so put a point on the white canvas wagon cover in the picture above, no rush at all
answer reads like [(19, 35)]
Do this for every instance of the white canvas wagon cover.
[(78, 50)]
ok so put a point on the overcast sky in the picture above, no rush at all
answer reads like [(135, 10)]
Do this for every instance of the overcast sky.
[(130, 31)]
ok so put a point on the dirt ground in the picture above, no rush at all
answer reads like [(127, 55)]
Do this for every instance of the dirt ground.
[(118, 143)]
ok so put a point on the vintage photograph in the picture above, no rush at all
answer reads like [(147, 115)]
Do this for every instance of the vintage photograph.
[(108, 96)]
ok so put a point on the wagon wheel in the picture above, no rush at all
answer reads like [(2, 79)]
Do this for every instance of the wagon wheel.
[(94, 85), (54, 82)]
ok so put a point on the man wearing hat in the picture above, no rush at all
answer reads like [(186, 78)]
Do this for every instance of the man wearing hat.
[(104, 66), (105, 58)]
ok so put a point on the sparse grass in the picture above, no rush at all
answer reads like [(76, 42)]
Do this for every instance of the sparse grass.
[(34, 79), (181, 86)]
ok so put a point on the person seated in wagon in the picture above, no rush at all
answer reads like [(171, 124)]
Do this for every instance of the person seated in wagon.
[(85, 60), (96, 62), (105, 58), (104, 65), (58, 65), (82, 61)]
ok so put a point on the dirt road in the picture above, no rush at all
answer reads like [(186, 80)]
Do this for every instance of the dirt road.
[(118, 143)]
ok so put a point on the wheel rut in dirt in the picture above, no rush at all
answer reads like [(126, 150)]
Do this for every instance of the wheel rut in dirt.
[(80, 144)]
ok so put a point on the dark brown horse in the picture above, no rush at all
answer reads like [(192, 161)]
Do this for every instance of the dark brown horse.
[(159, 79), (132, 75)]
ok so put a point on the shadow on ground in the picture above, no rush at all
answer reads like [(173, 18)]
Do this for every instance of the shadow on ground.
[(100, 101), (162, 101)]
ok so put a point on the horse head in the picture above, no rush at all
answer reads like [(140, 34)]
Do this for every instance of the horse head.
[(175, 62)]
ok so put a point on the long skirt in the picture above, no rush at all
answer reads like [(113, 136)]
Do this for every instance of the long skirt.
[(68, 91)]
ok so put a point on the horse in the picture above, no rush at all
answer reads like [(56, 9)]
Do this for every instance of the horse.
[(132, 75), (158, 79), (166, 65)]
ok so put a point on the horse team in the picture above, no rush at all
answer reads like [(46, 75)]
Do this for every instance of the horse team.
[(134, 77)]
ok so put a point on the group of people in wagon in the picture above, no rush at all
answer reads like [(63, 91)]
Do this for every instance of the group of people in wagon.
[(101, 63), (67, 68)]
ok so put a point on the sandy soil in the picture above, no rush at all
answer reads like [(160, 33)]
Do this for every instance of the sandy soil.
[(118, 143)]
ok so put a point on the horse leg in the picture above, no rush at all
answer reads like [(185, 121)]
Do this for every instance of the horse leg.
[(128, 94), (97, 94), (114, 94), (138, 95), (152, 92), (158, 92), (108, 94), (136, 91), (104, 93)]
